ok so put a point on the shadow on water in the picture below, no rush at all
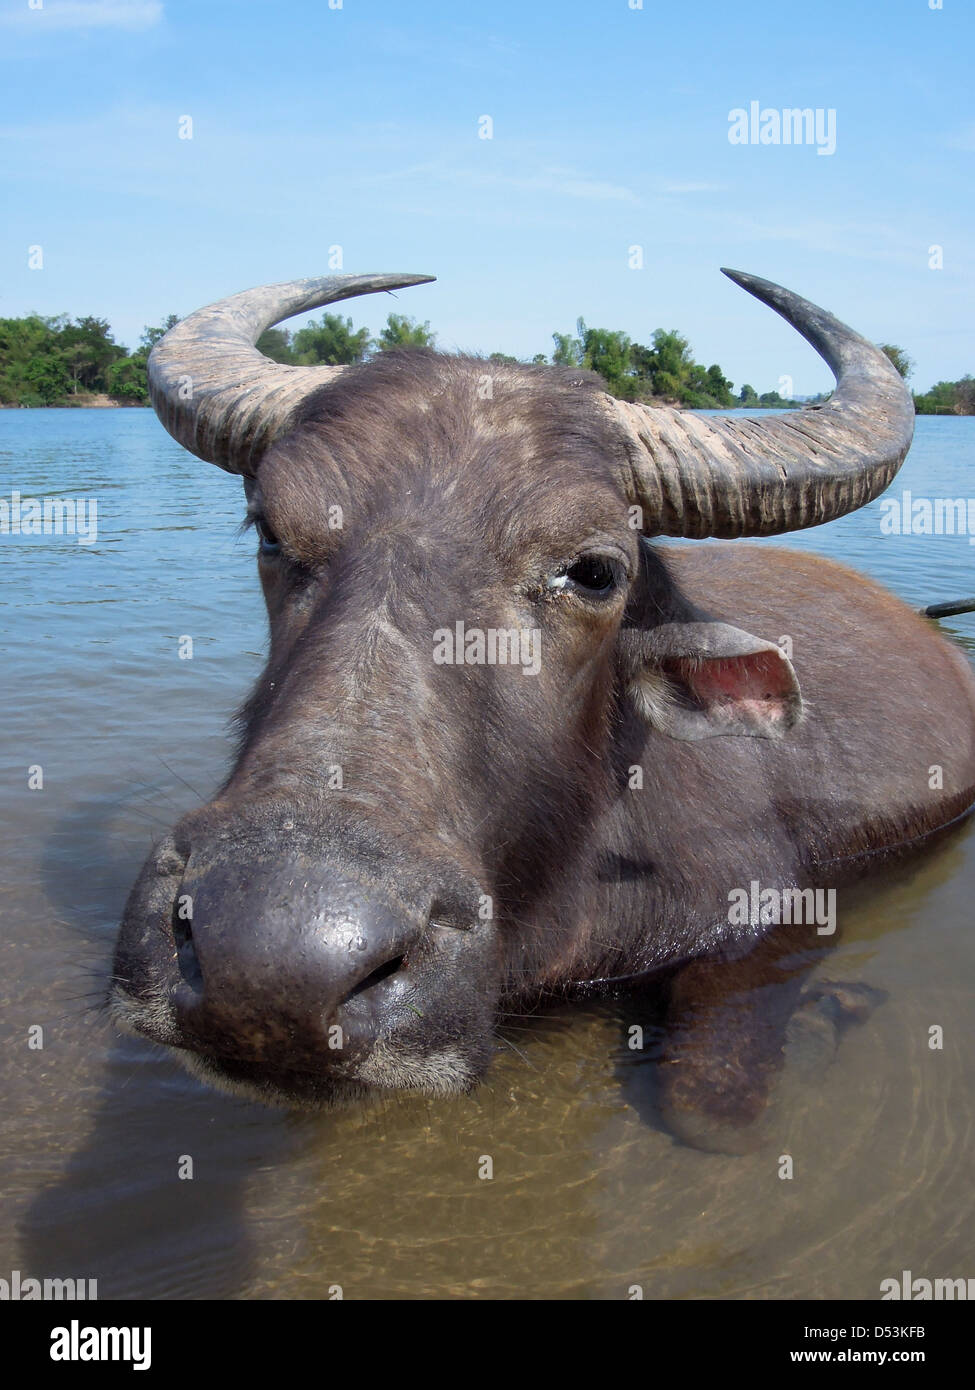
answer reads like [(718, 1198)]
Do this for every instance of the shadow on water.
[(119, 1211)]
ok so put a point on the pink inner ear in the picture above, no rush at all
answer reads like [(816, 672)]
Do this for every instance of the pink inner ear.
[(756, 687)]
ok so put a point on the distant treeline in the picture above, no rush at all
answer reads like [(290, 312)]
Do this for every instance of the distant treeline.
[(59, 361), (665, 371), (62, 361), (948, 398)]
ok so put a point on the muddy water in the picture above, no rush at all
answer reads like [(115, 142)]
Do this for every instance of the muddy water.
[(589, 1195)]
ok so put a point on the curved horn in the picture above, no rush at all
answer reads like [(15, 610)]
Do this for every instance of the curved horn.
[(221, 398), (699, 476)]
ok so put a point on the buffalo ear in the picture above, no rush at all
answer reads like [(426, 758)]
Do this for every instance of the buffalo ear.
[(704, 679)]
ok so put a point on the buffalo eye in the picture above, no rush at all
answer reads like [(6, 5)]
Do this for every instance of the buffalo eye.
[(592, 576), (269, 543)]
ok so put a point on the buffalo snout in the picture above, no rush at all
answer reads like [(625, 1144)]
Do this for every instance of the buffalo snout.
[(282, 972)]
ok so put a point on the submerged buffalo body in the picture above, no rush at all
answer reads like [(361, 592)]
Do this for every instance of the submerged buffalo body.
[(506, 747)]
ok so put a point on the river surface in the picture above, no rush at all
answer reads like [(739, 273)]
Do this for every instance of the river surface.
[(590, 1196)]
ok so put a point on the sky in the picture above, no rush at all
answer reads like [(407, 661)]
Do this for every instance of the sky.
[(359, 124)]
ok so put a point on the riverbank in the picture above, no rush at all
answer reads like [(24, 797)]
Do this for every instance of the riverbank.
[(96, 400)]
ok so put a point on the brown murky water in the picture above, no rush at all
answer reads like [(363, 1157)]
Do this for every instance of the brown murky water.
[(589, 1195)]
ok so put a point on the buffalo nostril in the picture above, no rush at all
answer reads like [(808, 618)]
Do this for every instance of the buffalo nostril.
[(374, 978), (187, 960)]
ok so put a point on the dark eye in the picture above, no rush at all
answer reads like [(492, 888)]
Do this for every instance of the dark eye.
[(595, 575), (270, 545)]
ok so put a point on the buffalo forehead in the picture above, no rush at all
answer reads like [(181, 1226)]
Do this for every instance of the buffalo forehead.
[(531, 469)]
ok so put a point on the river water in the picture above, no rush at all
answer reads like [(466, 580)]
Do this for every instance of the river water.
[(590, 1197)]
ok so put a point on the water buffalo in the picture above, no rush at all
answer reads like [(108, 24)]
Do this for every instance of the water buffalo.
[(504, 747)]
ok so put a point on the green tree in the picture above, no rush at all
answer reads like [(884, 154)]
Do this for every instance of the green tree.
[(642, 361), (665, 368), (403, 332), (633, 371), (332, 342), (672, 362), (965, 395), (948, 398), (899, 357), (276, 344), (606, 351), (89, 350), (719, 387), (32, 366), (46, 381), (150, 336), (568, 351), (127, 379)]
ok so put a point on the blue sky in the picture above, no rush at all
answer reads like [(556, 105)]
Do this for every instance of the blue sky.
[(358, 127)]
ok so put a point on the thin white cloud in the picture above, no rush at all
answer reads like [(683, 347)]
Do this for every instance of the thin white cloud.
[(49, 15), (893, 244), (558, 181), (463, 47), (570, 185)]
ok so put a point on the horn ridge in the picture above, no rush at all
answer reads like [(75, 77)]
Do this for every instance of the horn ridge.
[(221, 398), (698, 476)]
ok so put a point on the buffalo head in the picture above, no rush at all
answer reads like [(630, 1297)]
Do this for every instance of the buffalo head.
[(467, 624)]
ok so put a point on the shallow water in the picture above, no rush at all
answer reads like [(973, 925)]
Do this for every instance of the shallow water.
[(589, 1195)]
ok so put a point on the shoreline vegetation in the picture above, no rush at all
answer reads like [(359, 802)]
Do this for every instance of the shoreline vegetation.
[(64, 363)]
